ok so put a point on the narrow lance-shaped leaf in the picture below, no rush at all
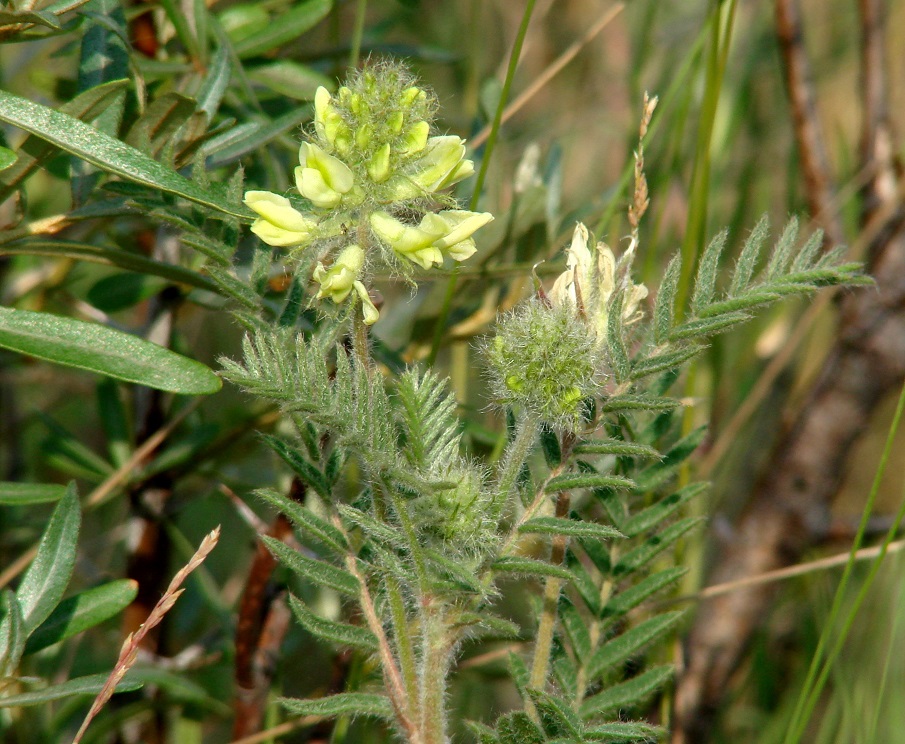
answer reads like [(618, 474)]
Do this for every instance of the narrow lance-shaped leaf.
[(46, 579), (332, 631), (705, 284), (82, 611), (627, 694), (108, 153), (90, 685), (317, 572), (96, 348), (747, 260), (570, 527), (345, 703), (12, 634), (29, 493), (631, 642)]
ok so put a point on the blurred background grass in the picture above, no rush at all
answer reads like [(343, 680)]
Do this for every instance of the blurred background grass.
[(584, 124)]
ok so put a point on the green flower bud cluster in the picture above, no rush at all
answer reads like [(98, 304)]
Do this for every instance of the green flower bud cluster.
[(372, 170), (457, 518), (545, 361)]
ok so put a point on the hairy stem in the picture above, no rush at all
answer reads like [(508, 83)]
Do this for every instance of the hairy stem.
[(434, 668), (514, 460), (552, 589)]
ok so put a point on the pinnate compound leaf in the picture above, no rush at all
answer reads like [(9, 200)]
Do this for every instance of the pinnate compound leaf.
[(108, 153), (89, 685), (100, 349), (82, 611), (20, 494), (628, 694), (332, 631), (570, 527), (318, 572), (48, 575), (343, 704)]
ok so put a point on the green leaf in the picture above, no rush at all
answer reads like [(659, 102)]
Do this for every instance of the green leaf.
[(630, 598), (46, 579), (625, 732), (36, 17), (667, 360), (96, 348), (660, 472), (307, 472), (34, 151), (707, 326), (373, 528), (628, 694), (345, 703), (250, 136), (305, 519), (160, 122), (530, 567), (615, 340), (784, 250), (747, 260), (7, 158), (290, 79), (587, 480), (616, 447), (84, 610), (285, 28), (639, 403), (216, 83), (89, 685), (12, 634), (484, 734), (653, 515), (557, 718), (109, 154), (517, 728), (570, 527), (576, 629), (747, 301), (653, 546), (342, 634), (318, 572), (621, 648), (123, 290), (666, 299), (18, 494), (708, 267)]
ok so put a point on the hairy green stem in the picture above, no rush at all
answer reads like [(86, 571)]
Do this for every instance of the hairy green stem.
[(552, 589), (513, 461), (434, 667), (404, 648)]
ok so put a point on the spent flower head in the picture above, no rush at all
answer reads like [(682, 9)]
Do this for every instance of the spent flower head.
[(373, 171)]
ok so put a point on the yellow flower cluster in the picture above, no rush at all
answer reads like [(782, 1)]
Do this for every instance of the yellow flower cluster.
[(373, 164)]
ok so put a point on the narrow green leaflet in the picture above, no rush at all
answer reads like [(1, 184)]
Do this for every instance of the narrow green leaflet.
[(109, 154), (7, 158), (305, 519), (12, 633), (346, 703), (110, 257), (587, 480), (342, 634), (83, 611), (288, 27), (89, 685), (96, 348), (570, 527), (17, 494), (630, 643), (318, 572), (530, 567), (627, 694), (45, 580)]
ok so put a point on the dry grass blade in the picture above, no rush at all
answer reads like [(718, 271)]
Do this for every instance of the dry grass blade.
[(129, 651)]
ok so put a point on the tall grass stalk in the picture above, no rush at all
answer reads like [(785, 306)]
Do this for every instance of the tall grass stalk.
[(822, 662)]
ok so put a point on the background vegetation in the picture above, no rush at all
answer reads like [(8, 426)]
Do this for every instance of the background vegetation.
[(233, 82)]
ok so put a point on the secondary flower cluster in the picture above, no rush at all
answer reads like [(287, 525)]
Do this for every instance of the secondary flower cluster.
[(371, 166)]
